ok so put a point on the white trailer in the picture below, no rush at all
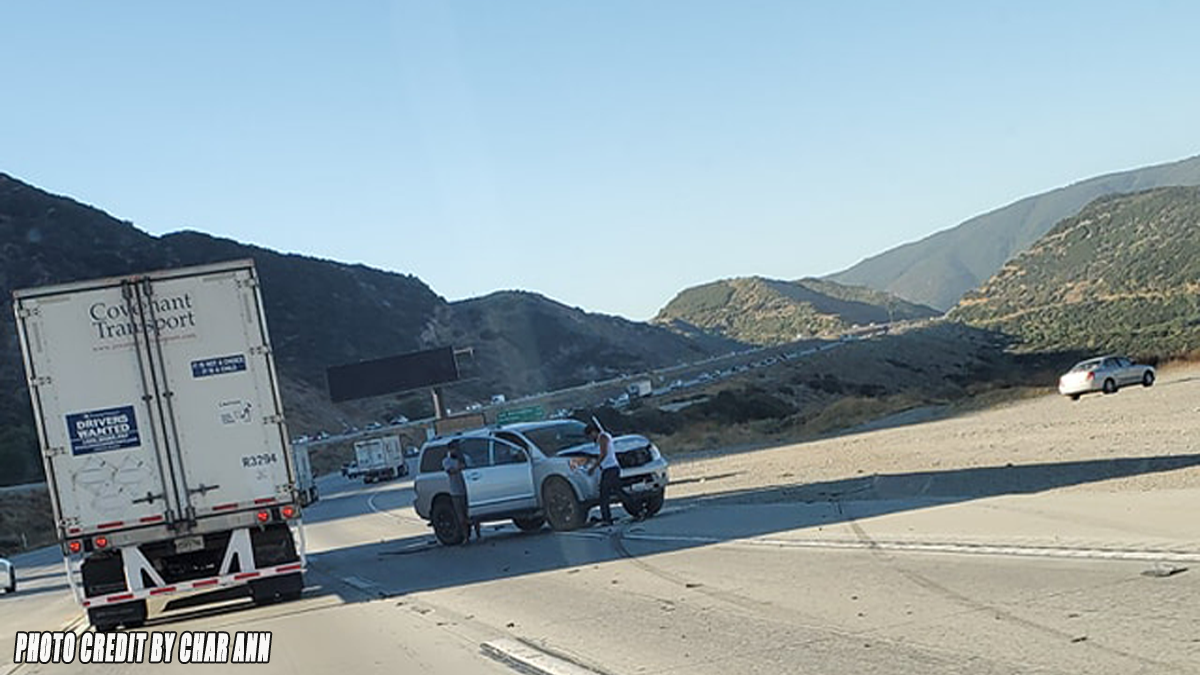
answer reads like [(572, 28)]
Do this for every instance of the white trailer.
[(162, 433), (380, 458), (306, 483), (639, 388)]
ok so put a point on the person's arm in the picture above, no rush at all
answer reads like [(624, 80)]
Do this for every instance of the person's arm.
[(604, 441)]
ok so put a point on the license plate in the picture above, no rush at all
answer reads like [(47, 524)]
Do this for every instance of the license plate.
[(189, 544), (639, 487)]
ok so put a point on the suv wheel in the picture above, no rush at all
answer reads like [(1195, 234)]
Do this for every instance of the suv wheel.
[(654, 503), (446, 527), (532, 524), (563, 510)]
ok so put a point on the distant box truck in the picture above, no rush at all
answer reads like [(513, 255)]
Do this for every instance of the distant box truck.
[(380, 459), (306, 483), (639, 388), (162, 433)]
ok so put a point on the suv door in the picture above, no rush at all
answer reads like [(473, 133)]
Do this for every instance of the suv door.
[(499, 476), (512, 477)]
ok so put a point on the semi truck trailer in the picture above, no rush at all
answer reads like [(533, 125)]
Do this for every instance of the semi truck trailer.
[(162, 433)]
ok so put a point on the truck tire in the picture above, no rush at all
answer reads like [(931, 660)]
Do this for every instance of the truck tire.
[(563, 510), (445, 523), (530, 524), (273, 545), (105, 619), (282, 588), (103, 574)]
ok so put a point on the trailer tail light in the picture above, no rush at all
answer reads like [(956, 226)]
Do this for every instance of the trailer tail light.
[(288, 511), (264, 516), (75, 546), (101, 541)]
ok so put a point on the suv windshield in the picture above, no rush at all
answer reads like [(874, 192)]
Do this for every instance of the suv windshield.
[(555, 438)]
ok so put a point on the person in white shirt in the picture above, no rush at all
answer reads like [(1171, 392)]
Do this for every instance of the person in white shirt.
[(610, 470)]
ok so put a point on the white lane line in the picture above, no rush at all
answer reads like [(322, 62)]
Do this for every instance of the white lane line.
[(527, 659), (360, 583), (385, 512), (936, 547)]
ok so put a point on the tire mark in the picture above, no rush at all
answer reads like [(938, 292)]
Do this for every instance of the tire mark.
[(979, 606)]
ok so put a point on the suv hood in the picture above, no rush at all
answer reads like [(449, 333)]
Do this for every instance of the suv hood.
[(621, 444)]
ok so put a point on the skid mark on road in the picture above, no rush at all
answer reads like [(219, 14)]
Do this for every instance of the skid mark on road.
[(1000, 613), (389, 512), (1142, 555)]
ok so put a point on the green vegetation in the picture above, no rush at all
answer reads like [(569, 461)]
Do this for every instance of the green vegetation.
[(767, 311), (1122, 276), (321, 313), (939, 269)]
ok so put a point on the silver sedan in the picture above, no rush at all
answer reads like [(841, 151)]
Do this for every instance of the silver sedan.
[(8, 576), (1106, 374)]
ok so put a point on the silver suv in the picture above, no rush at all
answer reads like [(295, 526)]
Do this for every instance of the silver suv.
[(534, 473)]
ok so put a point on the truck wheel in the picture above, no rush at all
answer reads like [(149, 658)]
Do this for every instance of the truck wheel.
[(531, 524), (106, 619), (446, 527), (563, 510), (283, 588), (654, 503)]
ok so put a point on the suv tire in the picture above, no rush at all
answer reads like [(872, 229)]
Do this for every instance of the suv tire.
[(445, 523), (654, 503), (531, 524), (563, 510)]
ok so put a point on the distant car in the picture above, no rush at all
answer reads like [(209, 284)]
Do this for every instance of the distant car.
[(373, 426), (399, 419), (533, 473), (1106, 374), (8, 576)]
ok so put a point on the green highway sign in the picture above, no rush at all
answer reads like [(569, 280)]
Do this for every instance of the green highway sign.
[(530, 414)]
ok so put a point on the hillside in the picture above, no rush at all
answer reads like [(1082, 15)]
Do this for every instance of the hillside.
[(1123, 275), (939, 269), (320, 313), (767, 311)]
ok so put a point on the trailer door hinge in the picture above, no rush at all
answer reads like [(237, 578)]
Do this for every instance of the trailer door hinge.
[(54, 451), (273, 419), (26, 312), (43, 381), (248, 282), (261, 350)]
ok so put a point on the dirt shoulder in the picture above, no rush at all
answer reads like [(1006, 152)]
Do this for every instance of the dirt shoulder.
[(1136, 440)]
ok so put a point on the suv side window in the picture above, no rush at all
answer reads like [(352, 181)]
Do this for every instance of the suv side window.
[(504, 452), (513, 438), (475, 451), (431, 459)]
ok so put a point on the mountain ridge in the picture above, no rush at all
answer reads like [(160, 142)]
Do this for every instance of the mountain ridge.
[(320, 313), (764, 311), (938, 269), (1123, 275)]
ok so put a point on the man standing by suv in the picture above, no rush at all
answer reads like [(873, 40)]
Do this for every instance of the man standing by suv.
[(610, 470), (453, 465)]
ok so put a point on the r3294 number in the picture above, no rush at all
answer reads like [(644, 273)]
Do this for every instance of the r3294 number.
[(262, 459)]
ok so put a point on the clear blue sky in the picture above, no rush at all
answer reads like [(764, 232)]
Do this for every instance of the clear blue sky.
[(605, 153)]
